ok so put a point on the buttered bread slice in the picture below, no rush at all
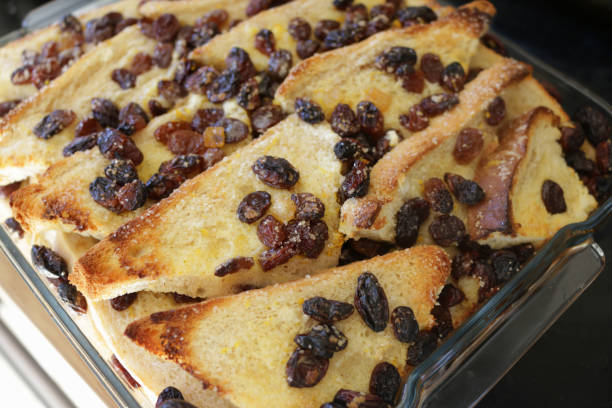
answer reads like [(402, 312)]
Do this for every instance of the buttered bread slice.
[(259, 327), (266, 214)]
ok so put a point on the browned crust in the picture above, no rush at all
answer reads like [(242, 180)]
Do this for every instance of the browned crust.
[(495, 174)]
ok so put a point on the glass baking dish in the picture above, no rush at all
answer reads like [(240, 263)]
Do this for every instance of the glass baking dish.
[(471, 360)]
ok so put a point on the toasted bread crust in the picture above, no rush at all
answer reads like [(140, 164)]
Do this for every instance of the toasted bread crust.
[(188, 11)]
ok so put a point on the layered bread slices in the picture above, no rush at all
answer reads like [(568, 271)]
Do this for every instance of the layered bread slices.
[(530, 192), (351, 75), (188, 11), (179, 244), (231, 343)]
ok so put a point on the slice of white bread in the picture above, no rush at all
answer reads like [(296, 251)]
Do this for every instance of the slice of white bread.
[(230, 344), (329, 79), (400, 174), (176, 245), (276, 20), (60, 197), (188, 11), (513, 210)]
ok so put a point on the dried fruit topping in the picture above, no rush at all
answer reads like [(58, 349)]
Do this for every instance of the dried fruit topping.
[(299, 29), (595, 124), (6, 107), (121, 171), (307, 48), (54, 123), (234, 265), (238, 60), (122, 302), (214, 136), (437, 104), (87, 126), (307, 237), (347, 149), (199, 81), (223, 87), (201, 120), (416, 15), (161, 185), (70, 24), (186, 166), (124, 77), (438, 196), (132, 118), (104, 192), (472, 74), (166, 27), (141, 63), (185, 142), (326, 310), (468, 145), (22, 75), (424, 344), (484, 273), (178, 298), (446, 229), (370, 120), (552, 197), (218, 17), (348, 398), (80, 143), (413, 81), (184, 69), (415, 120), (444, 321), (496, 111), (235, 130), (492, 42), (168, 393), (579, 162), (450, 295), (523, 252), (324, 27), (156, 108), (385, 382), (273, 257), (462, 265), (275, 172), (603, 156), (249, 96), (280, 63), (572, 138), (115, 145), (356, 182), (271, 232), (162, 134), (100, 29), (305, 369), (411, 215), (505, 264), (105, 112), (212, 156), (309, 111), (323, 340), (371, 302), (253, 206), (162, 55), (265, 117), (405, 326), (69, 294), (257, 6), (307, 206), (396, 58), (170, 90), (453, 77), (49, 262), (265, 41), (342, 4), (432, 67), (132, 195), (465, 191), (12, 224), (344, 121)]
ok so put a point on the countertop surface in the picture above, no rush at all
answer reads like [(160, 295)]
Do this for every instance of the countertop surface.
[(570, 365)]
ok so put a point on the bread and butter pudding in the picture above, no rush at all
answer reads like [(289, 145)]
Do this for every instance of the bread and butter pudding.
[(284, 203)]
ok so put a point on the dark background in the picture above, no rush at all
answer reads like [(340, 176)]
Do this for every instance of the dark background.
[(570, 364)]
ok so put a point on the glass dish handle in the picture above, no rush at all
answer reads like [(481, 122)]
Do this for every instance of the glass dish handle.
[(482, 364)]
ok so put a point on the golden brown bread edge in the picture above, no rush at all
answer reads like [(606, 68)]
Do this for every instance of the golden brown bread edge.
[(263, 323), (188, 11)]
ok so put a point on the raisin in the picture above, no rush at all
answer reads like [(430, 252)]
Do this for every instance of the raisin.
[(224, 86), (14, 226), (121, 172), (257, 6), (22, 75), (505, 264), (161, 185), (87, 126), (265, 41), (267, 85), (146, 27), (453, 77), (356, 182), (465, 191), (6, 107), (115, 145), (168, 393), (579, 162), (70, 24), (238, 60), (468, 145), (415, 120), (170, 90), (202, 34), (523, 252), (218, 17), (271, 232), (377, 24), (496, 111), (201, 120), (187, 166), (405, 326), (249, 97), (444, 321), (162, 55), (370, 119), (344, 121), (596, 126), (393, 58), (572, 138), (446, 229), (326, 310), (299, 29), (273, 257), (416, 15), (235, 130), (356, 12), (162, 134), (199, 81), (178, 298), (323, 340), (212, 156), (185, 68), (132, 196), (307, 48), (122, 302), (349, 398), (368, 248), (424, 344), (371, 302), (438, 196), (69, 294), (132, 118), (124, 77), (472, 74), (156, 108), (98, 30), (126, 22), (437, 104), (492, 42), (105, 112), (80, 143), (411, 215), (54, 123), (339, 38), (307, 237), (234, 265), (275, 172), (253, 206), (346, 149), (265, 117), (166, 27), (413, 81), (47, 70), (279, 64), (603, 156), (324, 27), (552, 197), (309, 111), (342, 4), (385, 382), (387, 9), (304, 369), (462, 265), (450, 295), (307, 206), (185, 142), (49, 262)]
